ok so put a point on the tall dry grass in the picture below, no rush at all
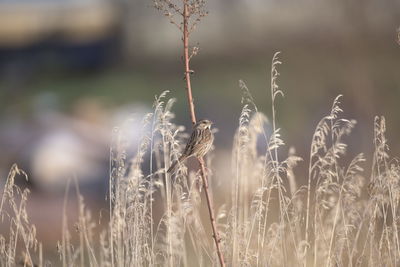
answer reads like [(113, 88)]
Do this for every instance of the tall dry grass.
[(18, 246), (338, 218)]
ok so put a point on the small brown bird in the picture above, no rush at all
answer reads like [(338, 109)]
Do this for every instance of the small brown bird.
[(199, 144)]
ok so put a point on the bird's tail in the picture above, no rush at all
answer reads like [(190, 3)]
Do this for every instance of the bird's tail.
[(175, 164)]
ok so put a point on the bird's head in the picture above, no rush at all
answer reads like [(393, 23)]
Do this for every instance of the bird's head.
[(203, 124)]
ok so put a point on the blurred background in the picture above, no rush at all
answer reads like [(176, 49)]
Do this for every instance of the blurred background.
[(71, 70)]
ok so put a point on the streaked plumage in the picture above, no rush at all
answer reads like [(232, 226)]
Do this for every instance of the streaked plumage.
[(199, 143)]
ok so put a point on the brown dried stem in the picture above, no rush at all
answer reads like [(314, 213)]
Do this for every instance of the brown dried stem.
[(186, 16), (217, 240)]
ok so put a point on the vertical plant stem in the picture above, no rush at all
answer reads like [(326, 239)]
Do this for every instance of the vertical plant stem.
[(110, 196), (308, 213), (186, 15), (187, 59), (211, 213), (168, 190), (282, 206), (40, 255), (65, 243), (151, 188)]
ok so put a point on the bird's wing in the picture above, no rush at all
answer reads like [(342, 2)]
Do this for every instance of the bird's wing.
[(194, 140)]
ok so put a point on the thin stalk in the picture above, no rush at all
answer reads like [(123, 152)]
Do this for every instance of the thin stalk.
[(338, 207), (65, 243), (340, 193), (110, 196), (216, 237), (186, 15), (151, 187), (276, 159), (169, 201)]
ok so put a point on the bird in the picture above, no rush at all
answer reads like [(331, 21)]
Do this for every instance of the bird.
[(200, 142)]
